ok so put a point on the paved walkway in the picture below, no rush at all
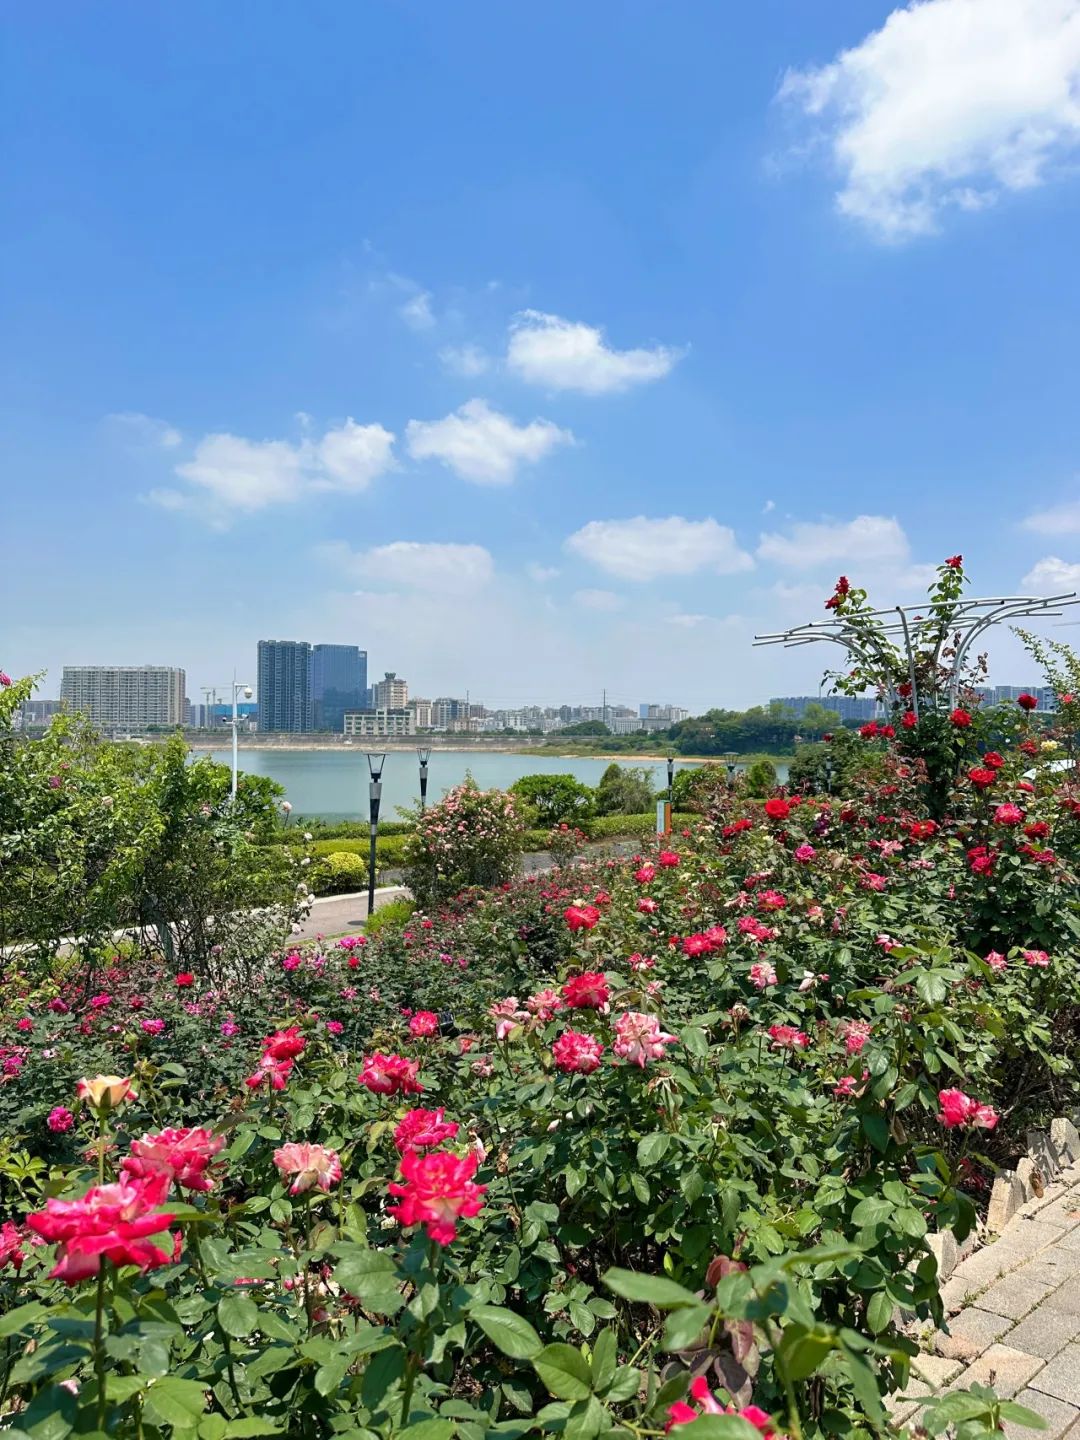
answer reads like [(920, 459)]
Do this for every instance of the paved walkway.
[(1014, 1317), (333, 915)]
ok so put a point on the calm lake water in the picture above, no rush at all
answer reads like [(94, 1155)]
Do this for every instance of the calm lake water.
[(333, 785)]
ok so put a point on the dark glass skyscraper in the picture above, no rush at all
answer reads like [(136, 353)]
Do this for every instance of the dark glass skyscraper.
[(338, 683), (285, 685)]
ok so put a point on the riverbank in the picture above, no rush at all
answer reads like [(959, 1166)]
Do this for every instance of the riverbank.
[(463, 744)]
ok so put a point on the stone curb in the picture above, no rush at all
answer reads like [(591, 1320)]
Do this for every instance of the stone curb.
[(1049, 1152)]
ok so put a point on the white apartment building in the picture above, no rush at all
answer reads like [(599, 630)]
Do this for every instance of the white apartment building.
[(389, 693), (126, 697), (381, 723), (423, 711)]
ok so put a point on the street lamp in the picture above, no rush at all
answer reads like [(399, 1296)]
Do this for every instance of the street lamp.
[(670, 777), (375, 766), (730, 758), (236, 690), (424, 753), (828, 774)]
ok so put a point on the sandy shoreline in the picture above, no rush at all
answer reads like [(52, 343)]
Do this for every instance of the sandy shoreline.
[(487, 748)]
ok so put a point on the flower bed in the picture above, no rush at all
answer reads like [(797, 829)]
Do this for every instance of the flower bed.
[(630, 1145)]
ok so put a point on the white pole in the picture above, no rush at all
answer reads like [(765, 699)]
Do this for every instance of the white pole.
[(234, 754)]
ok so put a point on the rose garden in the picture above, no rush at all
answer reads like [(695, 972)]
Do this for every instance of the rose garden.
[(634, 1144)]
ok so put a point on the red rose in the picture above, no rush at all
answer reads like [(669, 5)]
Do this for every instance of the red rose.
[(909, 720), (1026, 701), (961, 719), (954, 562), (185, 980), (777, 809)]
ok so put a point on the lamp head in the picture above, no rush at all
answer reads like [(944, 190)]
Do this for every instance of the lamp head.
[(375, 764), (248, 692), (424, 752)]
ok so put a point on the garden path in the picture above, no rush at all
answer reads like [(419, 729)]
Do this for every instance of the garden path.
[(1013, 1312)]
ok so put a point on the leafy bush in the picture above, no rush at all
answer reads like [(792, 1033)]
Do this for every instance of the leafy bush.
[(760, 779), (623, 790), (546, 800)]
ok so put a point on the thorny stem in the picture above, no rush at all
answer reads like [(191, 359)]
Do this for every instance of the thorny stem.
[(99, 1340)]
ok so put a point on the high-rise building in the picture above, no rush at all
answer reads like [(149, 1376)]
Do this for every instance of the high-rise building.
[(389, 693), (422, 711), (125, 696), (284, 677), (338, 683)]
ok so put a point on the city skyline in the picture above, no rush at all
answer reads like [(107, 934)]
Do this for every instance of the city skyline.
[(755, 297)]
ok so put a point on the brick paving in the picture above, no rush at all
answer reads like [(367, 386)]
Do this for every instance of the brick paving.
[(1013, 1317)]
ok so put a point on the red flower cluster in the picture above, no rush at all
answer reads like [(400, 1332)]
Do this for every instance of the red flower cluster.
[(438, 1191), (183, 1155), (581, 917), (981, 860), (577, 1053), (110, 1220), (960, 1109), (423, 1130), (587, 992), (390, 1075)]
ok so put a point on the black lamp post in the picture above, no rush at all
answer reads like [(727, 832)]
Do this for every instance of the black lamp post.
[(375, 765), (729, 765), (670, 778), (425, 755)]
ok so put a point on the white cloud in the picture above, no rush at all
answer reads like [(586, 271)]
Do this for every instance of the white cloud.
[(442, 568), (564, 355), (866, 540), (1061, 519), (541, 573), (232, 473), (144, 430), (353, 456), (643, 548), (466, 360), (246, 474), (482, 445), (1051, 576), (605, 600), (950, 103), (769, 505), (416, 312)]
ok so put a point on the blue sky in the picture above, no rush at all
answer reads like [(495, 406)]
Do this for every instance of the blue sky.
[(537, 349)]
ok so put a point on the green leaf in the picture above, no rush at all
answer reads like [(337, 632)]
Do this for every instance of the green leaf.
[(565, 1372), (19, 1318), (719, 1427), (624, 1386), (652, 1148), (649, 1289), (586, 1420), (1021, 1415), (604, 1360), (802, 1351), (931, 987), (876, 1131), (238, 1315), (510, 1333), (879, 1312), (684, 1325), (864, 1383), (871, 1211), (175, 1401), (428, 1430)]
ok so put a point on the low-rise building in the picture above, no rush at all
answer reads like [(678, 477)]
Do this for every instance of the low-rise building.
[(380, 723)]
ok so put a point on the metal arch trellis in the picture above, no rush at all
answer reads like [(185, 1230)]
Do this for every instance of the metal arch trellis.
[(967, 619)]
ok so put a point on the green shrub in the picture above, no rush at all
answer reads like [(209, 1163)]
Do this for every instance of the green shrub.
[(546, 800), (339, 873), (623, 790), (761, 779), (392, 917)]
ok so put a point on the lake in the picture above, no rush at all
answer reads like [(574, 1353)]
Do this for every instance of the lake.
[(332, 785)]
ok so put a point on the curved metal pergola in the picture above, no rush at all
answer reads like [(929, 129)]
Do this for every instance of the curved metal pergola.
[(921, 627)]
